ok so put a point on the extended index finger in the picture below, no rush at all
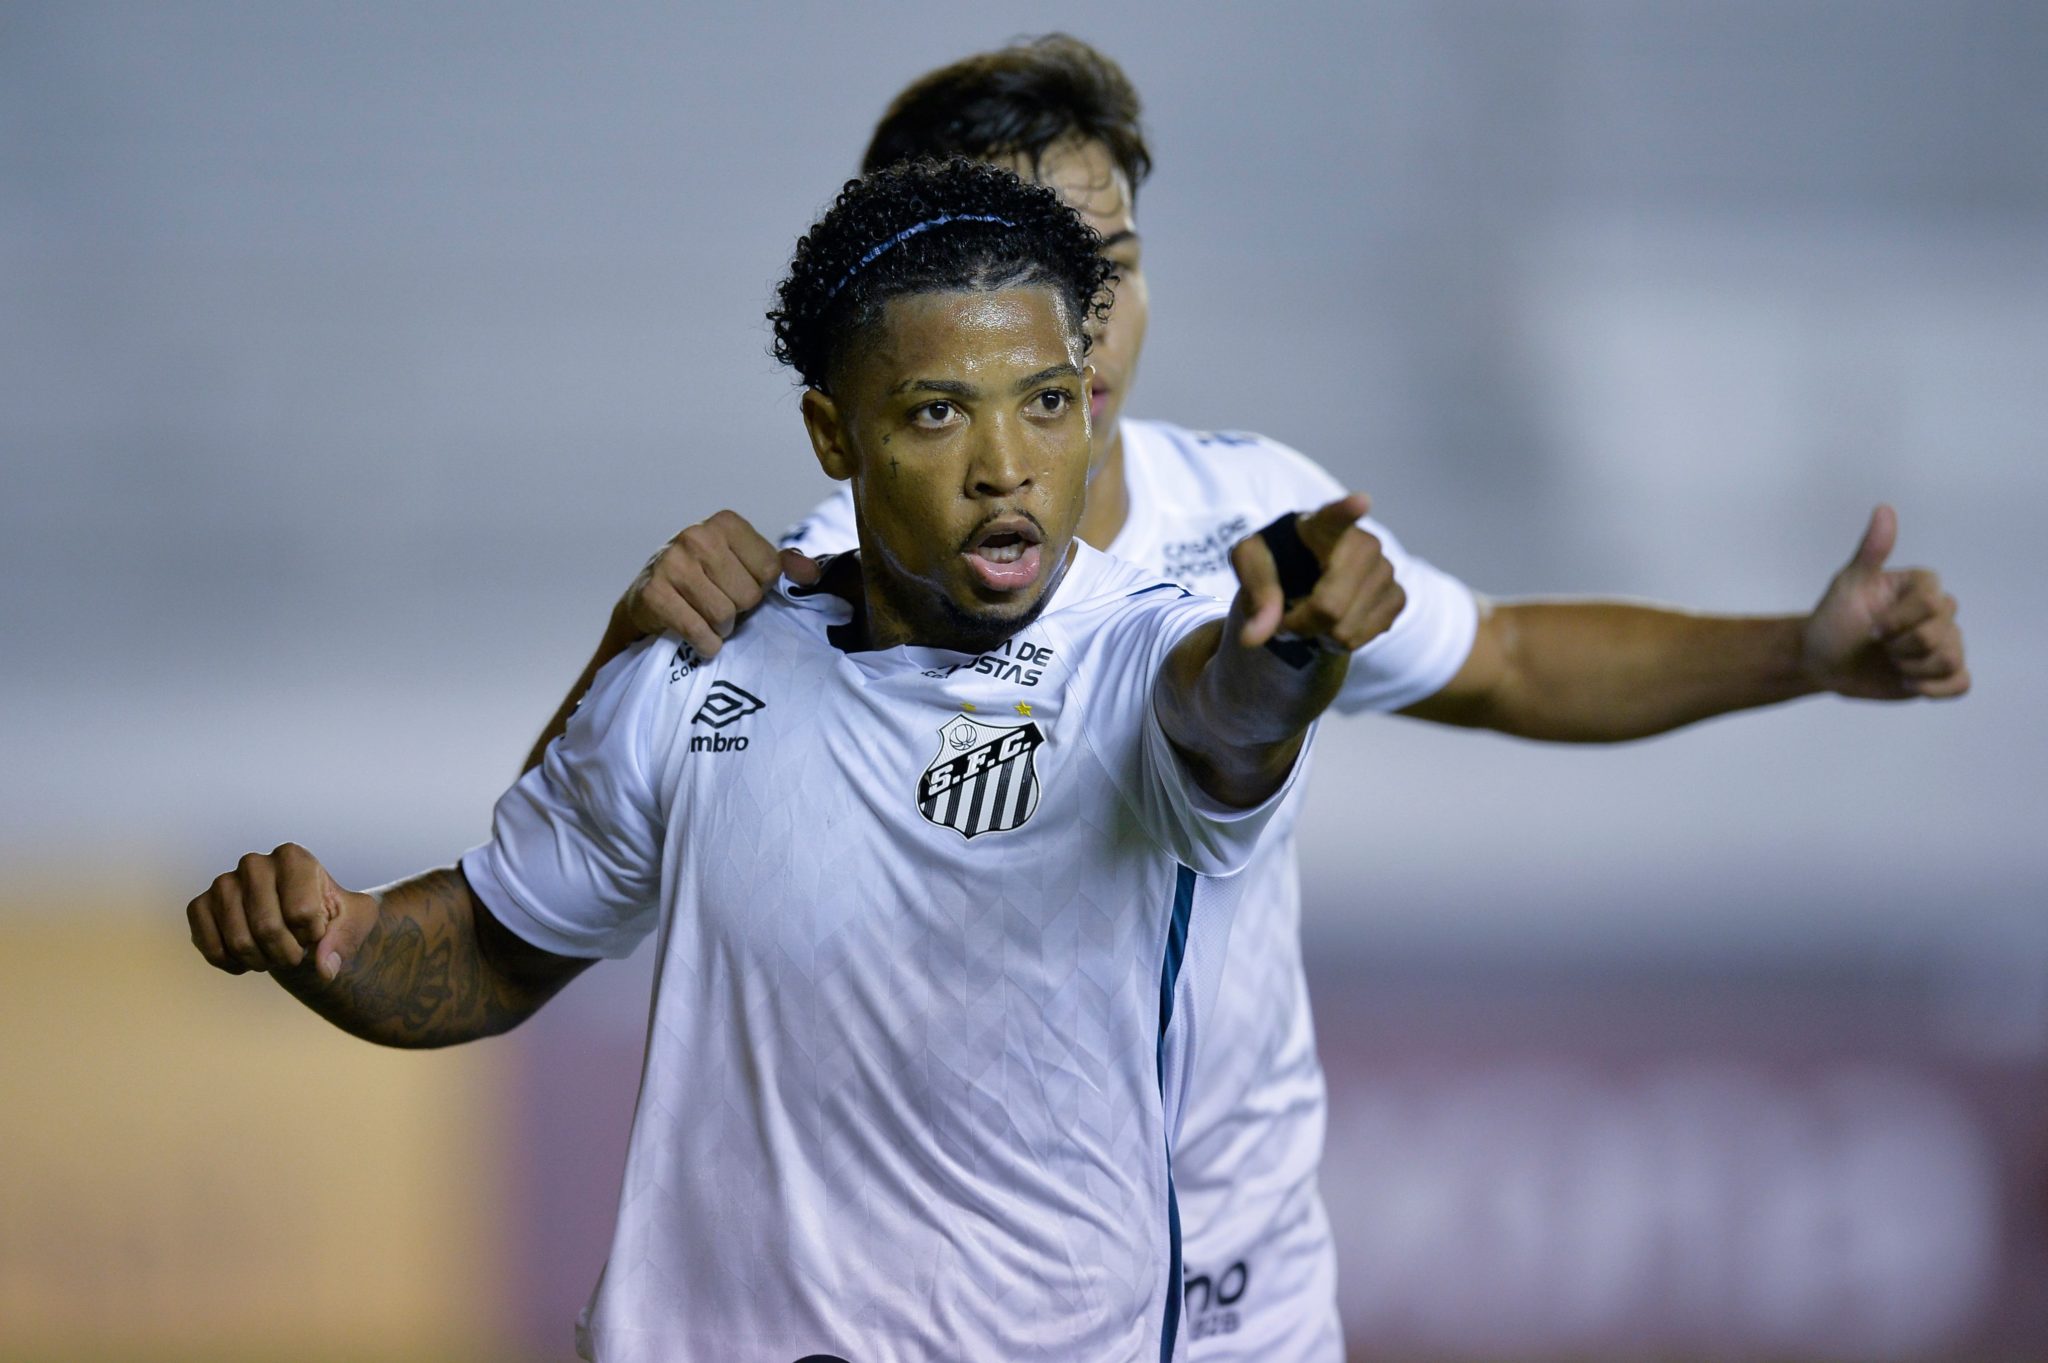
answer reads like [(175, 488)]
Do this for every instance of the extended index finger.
[(1322, 528)]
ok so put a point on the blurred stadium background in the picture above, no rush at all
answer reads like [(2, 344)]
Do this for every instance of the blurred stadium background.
[(352, 357)]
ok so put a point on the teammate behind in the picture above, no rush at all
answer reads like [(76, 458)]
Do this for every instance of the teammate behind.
[(1175, 501), (915, 1045)]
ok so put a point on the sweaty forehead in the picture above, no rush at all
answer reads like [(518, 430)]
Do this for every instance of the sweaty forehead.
[(969, 335)]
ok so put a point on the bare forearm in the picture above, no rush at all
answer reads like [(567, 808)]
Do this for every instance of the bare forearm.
[(425, 975), (1604, 672)]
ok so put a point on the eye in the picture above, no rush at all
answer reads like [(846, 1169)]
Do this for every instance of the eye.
[(1053, 401), (935, 414)]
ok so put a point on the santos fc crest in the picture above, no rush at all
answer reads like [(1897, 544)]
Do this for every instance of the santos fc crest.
[(984, 779)]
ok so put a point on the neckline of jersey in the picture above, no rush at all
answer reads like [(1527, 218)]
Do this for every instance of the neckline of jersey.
[(1089, 563)]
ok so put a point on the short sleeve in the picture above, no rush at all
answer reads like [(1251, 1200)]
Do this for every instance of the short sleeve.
[(1424, 647), (828, 529), (1122, 725), (574, 861)]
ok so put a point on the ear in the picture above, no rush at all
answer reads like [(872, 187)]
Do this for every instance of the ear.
[(828, 435)]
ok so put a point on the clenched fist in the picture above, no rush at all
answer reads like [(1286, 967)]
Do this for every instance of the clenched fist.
[(271, 912)]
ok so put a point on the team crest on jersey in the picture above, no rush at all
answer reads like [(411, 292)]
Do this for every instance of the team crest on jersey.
[(985, 778)]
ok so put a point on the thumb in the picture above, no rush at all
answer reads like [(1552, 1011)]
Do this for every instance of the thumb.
[(800, 568), (1322, 528), (351, 917), (1259, 589), (1878, 539)]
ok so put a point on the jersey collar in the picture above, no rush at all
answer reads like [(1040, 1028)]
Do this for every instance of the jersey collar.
[(842, 624)]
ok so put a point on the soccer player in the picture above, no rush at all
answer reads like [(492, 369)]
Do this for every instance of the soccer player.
[(1176, 500), (922, 847)]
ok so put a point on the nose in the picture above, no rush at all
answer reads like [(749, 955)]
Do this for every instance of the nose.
[(1001, 462)]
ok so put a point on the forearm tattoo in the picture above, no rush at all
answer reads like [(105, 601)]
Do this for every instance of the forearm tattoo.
[(422, 977)]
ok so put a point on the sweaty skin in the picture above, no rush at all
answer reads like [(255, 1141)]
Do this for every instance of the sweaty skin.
[(964, 433)]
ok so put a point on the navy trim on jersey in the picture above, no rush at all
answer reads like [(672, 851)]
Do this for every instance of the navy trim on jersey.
[(1159, 587), (1174, 1269), (1169, 976), (1176, 948)]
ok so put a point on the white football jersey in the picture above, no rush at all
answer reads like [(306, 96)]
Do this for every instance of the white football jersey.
[(914, 1059), (1261, 1269)]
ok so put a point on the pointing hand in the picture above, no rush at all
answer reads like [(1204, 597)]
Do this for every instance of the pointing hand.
[(1352, 602)]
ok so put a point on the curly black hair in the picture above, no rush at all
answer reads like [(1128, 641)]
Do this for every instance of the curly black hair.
[(930, 227), (1016, 100)]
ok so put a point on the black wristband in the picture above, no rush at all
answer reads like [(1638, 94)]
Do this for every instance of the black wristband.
[(1296, 562), (1299, 572)]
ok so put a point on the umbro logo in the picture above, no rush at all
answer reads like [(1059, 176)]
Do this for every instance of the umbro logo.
[(727, 704), (724, 706)]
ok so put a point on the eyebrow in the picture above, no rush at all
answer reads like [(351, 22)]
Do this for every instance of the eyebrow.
[(952, 387), (1118, 238), (955, 388), (1054, 371)]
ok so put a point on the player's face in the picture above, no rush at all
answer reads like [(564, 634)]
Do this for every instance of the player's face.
[(1089, 179), (962, 422)]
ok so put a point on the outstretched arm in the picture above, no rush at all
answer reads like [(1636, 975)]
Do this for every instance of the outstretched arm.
[(698, 585), (1602, 672), (419, 963), (1236, 709)]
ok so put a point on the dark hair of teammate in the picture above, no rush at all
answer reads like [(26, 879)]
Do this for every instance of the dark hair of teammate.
[(930, 227), (1016, 100)]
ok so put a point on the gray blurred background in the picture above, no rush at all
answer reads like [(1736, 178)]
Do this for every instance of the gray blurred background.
[(353, 358)]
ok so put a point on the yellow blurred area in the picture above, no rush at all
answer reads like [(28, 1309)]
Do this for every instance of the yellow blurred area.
[(194, 1166)]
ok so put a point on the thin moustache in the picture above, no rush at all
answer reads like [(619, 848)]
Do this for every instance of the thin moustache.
[(967, 545)]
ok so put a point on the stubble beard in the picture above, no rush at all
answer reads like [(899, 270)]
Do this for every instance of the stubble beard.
[(973, 632)]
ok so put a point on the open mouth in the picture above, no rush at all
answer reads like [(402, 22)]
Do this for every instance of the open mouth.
[(1098, 401), (1005, 553)]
